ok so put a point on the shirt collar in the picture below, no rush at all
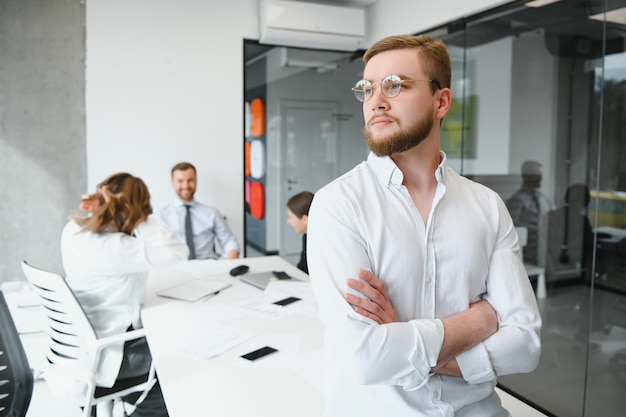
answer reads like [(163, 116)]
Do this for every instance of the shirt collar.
[(179, 203), (389, 174)]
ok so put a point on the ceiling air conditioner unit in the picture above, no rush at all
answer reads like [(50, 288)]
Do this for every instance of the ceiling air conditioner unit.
[(311, 25)]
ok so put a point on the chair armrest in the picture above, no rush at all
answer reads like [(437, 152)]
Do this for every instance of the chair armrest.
[(100, 344), (122, 337)]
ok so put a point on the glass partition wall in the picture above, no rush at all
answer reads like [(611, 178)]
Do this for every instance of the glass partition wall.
[(540, 117)]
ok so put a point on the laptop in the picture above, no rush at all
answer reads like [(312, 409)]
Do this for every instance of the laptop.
[(194, 290), (259, 279)]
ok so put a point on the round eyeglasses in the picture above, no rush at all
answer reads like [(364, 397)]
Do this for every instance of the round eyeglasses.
[(391, 86)]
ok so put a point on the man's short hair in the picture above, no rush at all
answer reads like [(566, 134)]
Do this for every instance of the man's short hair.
[(433, 53), (183, 166)]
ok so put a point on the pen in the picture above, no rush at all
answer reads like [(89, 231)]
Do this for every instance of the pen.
[(208, 297)]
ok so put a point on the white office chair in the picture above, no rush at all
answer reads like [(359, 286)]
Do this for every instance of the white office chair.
[(74, 350), (532, 270)]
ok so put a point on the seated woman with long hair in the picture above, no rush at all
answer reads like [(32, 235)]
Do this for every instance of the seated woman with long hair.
[(107, 255)]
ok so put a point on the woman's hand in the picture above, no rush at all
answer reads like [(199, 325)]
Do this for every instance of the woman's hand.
[(90, 202), (106, 194)]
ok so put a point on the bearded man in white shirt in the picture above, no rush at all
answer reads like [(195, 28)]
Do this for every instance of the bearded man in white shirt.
[(416, 270)]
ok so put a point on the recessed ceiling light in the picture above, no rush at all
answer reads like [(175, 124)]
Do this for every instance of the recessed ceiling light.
[(540, 3), (615, 16)]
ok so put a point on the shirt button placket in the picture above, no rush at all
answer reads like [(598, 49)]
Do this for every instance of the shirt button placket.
[(429, 293)]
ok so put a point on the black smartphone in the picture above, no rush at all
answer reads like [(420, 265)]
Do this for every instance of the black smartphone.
[(286, 301), (281, 275), (259, 353)]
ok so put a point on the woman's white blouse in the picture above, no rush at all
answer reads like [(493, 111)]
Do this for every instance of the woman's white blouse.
[(108, 272)]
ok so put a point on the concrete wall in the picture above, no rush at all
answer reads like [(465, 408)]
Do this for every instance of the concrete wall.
[(42, 128)]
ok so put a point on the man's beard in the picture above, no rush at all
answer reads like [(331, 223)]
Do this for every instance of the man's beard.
[(399, 141)]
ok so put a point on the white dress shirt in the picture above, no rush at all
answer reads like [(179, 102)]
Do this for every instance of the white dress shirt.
[(207, 224), (467, 251), (108, 271)]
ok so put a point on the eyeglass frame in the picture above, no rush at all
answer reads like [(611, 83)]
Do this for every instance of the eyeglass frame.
[(388, 78)]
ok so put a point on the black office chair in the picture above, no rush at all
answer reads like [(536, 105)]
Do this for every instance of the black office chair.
[(16, 377)]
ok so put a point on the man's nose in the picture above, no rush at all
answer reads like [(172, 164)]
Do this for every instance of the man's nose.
[(378, 101)]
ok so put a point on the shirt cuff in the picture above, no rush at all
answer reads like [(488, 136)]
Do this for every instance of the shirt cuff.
[(425, 357), (475, 365)]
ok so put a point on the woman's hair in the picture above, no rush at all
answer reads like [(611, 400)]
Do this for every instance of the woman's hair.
[(300, 203), (128, 206), (433, 53)]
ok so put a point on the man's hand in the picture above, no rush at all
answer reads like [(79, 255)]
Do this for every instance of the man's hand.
[(232, 254), (377, 305)]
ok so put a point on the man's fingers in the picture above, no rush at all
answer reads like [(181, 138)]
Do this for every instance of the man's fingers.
[(364, 305), (372, 300), (372, 279), (367, 290), (367, 314)]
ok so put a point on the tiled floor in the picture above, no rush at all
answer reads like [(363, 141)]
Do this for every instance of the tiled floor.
[(561, 383)]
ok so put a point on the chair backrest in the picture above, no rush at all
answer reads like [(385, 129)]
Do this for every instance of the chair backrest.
[(70, 333), (16, 377)]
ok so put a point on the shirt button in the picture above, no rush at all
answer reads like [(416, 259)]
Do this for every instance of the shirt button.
[(428, 279)]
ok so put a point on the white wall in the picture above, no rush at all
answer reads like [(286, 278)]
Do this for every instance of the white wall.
[(165, 84), (489, 83), (534, 89)]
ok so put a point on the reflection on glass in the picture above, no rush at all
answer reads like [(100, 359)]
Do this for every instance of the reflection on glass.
[(548, 84)]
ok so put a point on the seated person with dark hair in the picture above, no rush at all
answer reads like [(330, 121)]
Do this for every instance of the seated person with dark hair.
[(298, 217)]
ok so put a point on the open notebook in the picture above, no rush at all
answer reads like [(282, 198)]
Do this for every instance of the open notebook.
[(194, 290)]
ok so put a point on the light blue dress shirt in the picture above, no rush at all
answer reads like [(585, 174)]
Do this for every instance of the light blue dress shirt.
[(466, 251), (208, 225)]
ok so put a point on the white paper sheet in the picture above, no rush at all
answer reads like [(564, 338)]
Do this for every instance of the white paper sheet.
[(212, 340)]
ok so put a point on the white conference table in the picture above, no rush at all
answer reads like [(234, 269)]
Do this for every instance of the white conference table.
[(181, 334), (284, 384)]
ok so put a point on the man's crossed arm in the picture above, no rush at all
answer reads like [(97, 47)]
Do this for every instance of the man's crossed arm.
[(461, 331)]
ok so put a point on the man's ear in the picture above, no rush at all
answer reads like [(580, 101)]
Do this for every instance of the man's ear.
[(444, 102)]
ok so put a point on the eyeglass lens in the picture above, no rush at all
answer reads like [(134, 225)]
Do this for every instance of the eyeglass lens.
[(391, 86)]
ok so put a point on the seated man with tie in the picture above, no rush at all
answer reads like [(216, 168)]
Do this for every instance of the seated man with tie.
[(193, 222)]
